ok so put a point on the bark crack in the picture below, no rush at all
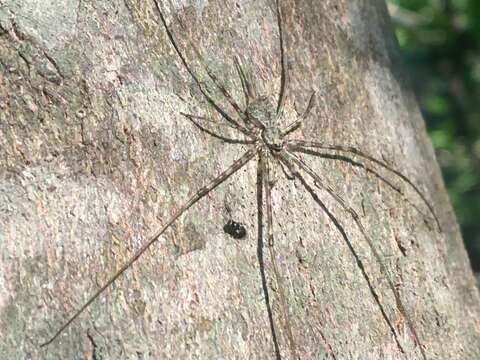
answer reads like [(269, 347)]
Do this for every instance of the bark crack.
[(94, 346)]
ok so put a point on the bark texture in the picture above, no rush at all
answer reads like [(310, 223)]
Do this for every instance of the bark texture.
[(94, 156)]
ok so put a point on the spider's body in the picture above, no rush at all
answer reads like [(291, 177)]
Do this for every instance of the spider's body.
[(261, 121), (273, 138), (258, 121), (259, 111)]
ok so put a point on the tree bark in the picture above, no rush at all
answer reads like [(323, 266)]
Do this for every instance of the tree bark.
[(95, 156)]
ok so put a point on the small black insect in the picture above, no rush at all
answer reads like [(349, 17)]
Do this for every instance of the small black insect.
[(235, 230)]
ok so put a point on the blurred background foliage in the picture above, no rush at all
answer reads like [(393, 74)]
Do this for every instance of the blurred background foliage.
[(440, 40)]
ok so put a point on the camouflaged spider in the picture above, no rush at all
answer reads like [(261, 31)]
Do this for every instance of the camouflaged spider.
[(271, 145)]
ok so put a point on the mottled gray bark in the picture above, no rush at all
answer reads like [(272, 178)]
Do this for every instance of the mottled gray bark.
[(94, 156)]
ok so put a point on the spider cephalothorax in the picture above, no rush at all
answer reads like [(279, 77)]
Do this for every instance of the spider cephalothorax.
[(260, 112), (272, 137)]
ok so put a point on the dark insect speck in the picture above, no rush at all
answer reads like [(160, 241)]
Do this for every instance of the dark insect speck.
[(235, 230)]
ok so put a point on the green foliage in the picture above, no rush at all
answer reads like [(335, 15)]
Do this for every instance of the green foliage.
[(440, 40)]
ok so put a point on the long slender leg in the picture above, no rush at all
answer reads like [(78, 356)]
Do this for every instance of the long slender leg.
[(247, 78), (189, 70), (309, 106), (210, 73), (283, 304), (206, 119), (232, 169), (261, 262), (304, 150), (340, 228), (284, 76), (286, 171), (294, 144), (211, 132), (296, 124), (321, 185), (247, 91)]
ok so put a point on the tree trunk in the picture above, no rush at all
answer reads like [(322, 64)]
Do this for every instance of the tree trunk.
[(95, 157)]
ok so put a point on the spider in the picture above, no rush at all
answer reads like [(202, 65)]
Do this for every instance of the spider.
[(273, 148)]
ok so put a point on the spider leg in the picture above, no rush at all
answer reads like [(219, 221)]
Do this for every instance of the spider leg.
[(304, 150), (232, 169), (211, 132), (286, 171), (203, 118), (343, 233), (321, 185), (296, 124), (210, 73), (209, 99), (294, 144), (247, 91), (260, 194), (268, 185), (284, 75), (310, 103)]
